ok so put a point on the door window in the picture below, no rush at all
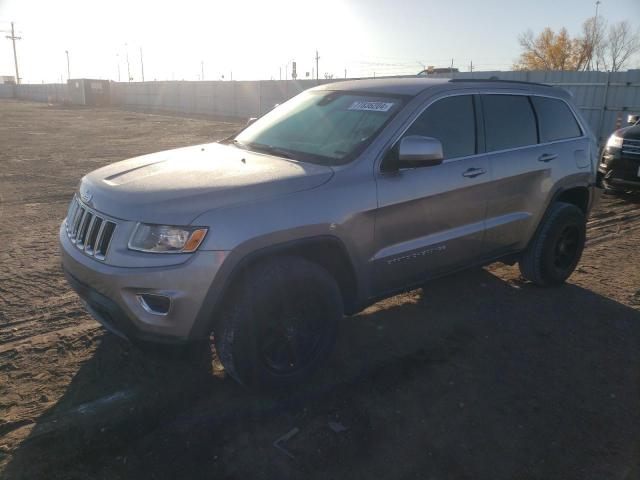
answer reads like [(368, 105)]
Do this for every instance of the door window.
[(509, 122), (452, 121)]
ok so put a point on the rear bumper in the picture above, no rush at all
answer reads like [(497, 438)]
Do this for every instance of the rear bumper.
[(112, 294)]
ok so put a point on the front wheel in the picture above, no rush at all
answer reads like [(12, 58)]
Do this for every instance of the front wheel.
[(555, 250), (280, 323)]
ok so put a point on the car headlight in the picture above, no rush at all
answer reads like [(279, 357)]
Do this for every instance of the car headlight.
[(614, 141), (166, 238)]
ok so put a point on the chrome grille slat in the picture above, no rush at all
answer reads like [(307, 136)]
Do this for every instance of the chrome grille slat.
[(92, 234), (631, 146), (87, 236), (90, 231), (76, 221), (82, 229), (99, 237)]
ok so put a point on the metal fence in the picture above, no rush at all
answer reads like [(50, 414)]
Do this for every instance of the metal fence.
[(46, 92), (238, 99), (604, 98)]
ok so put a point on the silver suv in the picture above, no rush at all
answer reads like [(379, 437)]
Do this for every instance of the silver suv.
[(343, 195)]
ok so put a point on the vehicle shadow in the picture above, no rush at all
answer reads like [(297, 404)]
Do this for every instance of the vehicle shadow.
[(474, 376)]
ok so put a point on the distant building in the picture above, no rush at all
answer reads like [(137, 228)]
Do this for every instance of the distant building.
[(7, 79), (430, 70)]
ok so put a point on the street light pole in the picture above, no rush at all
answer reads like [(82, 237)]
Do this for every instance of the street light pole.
[(68, 69), (141, 64), (595, 32)]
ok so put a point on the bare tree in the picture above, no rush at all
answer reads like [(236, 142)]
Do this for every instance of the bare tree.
[(588, 48), (622, 44)]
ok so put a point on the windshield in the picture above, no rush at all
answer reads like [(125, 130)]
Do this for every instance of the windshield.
[(325, 127)]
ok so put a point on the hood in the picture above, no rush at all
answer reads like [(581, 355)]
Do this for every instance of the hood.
[(631, 132), (175, 186)]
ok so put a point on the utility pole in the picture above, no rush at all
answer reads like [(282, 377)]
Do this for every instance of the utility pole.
[(317, 69), (451, 68), (118, 57), (471, 66), (128, 69), (141, 64), (68, 69), (13, 39), (345, 73), (202, 70)]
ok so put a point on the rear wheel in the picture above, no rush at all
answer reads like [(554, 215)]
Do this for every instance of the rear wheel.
[(555, 251), (280, 323)]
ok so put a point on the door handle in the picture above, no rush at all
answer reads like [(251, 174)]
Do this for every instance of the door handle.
[(473, 172), (547, 157)]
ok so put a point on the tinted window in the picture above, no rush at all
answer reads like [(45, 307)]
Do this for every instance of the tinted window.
[(509, 122), (452, 121), (555, 119)]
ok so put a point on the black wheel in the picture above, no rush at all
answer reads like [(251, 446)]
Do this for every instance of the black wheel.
[(280, 323), (555, 250)]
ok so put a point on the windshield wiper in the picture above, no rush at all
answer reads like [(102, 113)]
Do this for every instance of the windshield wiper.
[(269, 149)]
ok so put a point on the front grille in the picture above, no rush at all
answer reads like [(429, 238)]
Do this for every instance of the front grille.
[(631, 146), (88, 230)]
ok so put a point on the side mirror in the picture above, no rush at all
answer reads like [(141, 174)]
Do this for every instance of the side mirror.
[(633, 119), (250, 121), (419, 151)]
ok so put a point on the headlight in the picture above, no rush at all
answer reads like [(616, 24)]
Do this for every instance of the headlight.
[(614, 141), (166, 239)]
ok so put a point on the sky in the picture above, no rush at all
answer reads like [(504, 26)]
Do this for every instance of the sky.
[(259, 39)]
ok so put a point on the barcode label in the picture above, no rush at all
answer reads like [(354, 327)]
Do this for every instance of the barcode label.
[(371, 106)]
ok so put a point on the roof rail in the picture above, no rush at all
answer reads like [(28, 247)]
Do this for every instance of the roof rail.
[(498, 80)]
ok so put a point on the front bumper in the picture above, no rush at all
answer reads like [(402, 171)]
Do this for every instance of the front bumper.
[(112, 294), (620, 172)]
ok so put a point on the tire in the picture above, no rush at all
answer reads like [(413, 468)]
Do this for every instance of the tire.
[(280, 324), (556, 248)]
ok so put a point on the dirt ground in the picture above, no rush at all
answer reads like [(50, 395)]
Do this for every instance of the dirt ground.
[(480, 375)]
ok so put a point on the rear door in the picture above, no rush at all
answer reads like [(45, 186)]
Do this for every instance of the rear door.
[(531, 142), (430, 220)]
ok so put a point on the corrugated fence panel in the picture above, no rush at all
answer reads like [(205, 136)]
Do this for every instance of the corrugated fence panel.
[(604, 98)]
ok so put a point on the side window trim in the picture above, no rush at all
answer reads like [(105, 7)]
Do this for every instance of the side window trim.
[(537, 119), (480, 132)]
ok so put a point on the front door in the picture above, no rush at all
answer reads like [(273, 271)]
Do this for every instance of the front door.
[(430, 220)]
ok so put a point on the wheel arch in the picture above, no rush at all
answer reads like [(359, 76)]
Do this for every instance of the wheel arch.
[(577, 195), (326, 250)]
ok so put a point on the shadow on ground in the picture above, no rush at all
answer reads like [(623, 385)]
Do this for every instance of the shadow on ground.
[(475, 377)]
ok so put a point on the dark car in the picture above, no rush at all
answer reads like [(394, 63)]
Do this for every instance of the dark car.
[(619, 168)]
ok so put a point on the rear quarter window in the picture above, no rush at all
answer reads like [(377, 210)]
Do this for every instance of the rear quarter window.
[(509, 122), (555, 119)]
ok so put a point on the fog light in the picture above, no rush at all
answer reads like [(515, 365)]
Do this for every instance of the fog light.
[(155, 304)]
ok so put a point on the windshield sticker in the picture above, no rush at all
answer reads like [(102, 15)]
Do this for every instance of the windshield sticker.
[(371, 106)]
